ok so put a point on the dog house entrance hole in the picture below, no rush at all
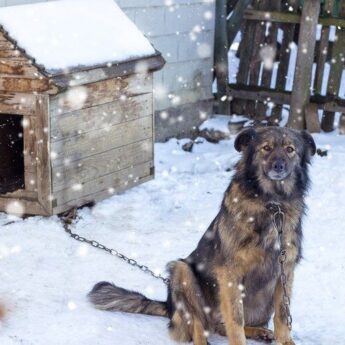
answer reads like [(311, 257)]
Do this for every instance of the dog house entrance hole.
[(11, 153)]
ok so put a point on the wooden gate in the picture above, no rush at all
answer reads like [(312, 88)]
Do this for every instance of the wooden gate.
[(302, 38)]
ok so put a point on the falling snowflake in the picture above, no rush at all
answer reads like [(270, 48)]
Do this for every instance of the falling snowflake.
[(75, 97), (15, 208), (267, 55)]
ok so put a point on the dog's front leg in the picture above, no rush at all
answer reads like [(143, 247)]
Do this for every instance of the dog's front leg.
[(231, 305), (281, 329)]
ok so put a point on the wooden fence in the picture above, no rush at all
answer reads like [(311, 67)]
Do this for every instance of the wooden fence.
[(317, 31)]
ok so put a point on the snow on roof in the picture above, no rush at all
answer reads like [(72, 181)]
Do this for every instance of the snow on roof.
[(71, 33)]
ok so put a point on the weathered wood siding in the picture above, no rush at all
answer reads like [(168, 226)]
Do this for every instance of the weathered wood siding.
[(104, 144)]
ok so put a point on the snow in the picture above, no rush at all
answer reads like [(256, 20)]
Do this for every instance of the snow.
[(216, 123), (221, 123), (69, 33), (45, 275)]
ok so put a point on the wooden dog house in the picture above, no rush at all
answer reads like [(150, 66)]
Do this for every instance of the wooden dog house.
[(76, 107)]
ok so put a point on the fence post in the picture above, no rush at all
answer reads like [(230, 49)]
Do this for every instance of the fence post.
[(305, 57), (234, 22), (221, 48), (335, 74)]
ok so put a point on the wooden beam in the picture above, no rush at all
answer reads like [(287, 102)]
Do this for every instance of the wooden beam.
[(335, 74), (100, 92), (249, 92), (322, 50), (234, 22), (312, 118), (17, 103), (284, 60), (342, 124), (87, 75), (289, 18), (304, 64), (19, 84), (42, 129), (257, 93), (30, 207), (221, 65)]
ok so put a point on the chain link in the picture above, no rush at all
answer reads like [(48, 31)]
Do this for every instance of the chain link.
[(69, 219), (279, 223)]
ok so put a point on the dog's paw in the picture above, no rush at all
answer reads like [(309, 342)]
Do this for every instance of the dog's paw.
[(259, 334), (264, 334)]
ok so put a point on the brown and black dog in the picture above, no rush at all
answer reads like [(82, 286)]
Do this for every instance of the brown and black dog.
[(230, 283)]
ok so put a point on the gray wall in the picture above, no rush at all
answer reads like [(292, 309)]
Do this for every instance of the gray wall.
[(183, 31)]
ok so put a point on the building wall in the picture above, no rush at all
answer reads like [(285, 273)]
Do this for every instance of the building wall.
[(183, 31)]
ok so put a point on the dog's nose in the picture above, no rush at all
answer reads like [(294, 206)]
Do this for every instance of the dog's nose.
[(279, 166)]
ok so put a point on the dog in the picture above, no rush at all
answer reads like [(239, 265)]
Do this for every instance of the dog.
[(230, 284)]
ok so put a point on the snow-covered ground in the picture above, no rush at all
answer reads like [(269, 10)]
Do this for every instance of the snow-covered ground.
[(45, 275)]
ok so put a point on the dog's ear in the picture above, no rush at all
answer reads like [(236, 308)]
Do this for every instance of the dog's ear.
[(244, 138), (309, 142)]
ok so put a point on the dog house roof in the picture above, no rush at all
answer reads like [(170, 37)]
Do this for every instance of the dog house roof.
[(67, 36)]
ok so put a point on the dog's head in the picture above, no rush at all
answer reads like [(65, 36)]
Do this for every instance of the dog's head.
[(276, 157)]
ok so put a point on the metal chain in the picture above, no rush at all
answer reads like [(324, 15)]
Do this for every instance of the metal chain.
[(72, 216), (279, 224)]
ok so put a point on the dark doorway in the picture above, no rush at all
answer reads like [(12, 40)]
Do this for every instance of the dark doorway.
[(11, 153)]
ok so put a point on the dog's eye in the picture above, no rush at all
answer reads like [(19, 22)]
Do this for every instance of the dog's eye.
[(267, 148), (290, 149)]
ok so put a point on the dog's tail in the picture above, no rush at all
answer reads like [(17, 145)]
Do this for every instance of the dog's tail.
[(107, 296)]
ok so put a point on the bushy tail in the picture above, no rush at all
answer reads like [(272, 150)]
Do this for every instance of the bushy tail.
[(107, 296)]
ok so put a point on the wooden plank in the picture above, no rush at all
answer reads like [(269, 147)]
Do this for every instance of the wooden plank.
[(6, 45), (289, 18), (91, 168), (86, 75), (312, 118), (246, 51), (259, 93), (114, 182), (42, 128), (18, 84), (17, 103), (304, 63), (221, 65), (104, 194), (259, 108), (9, 53), (234, 22), (284, 60), (30, 153), (22, 194), (254, 59), (2, 37), (271, 41), (100, 116), (257, 41), (322, 52), (334, 104), (100, 140), (30, 207), (18, 67), (335, 74), (342, 124), (99, 93)]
